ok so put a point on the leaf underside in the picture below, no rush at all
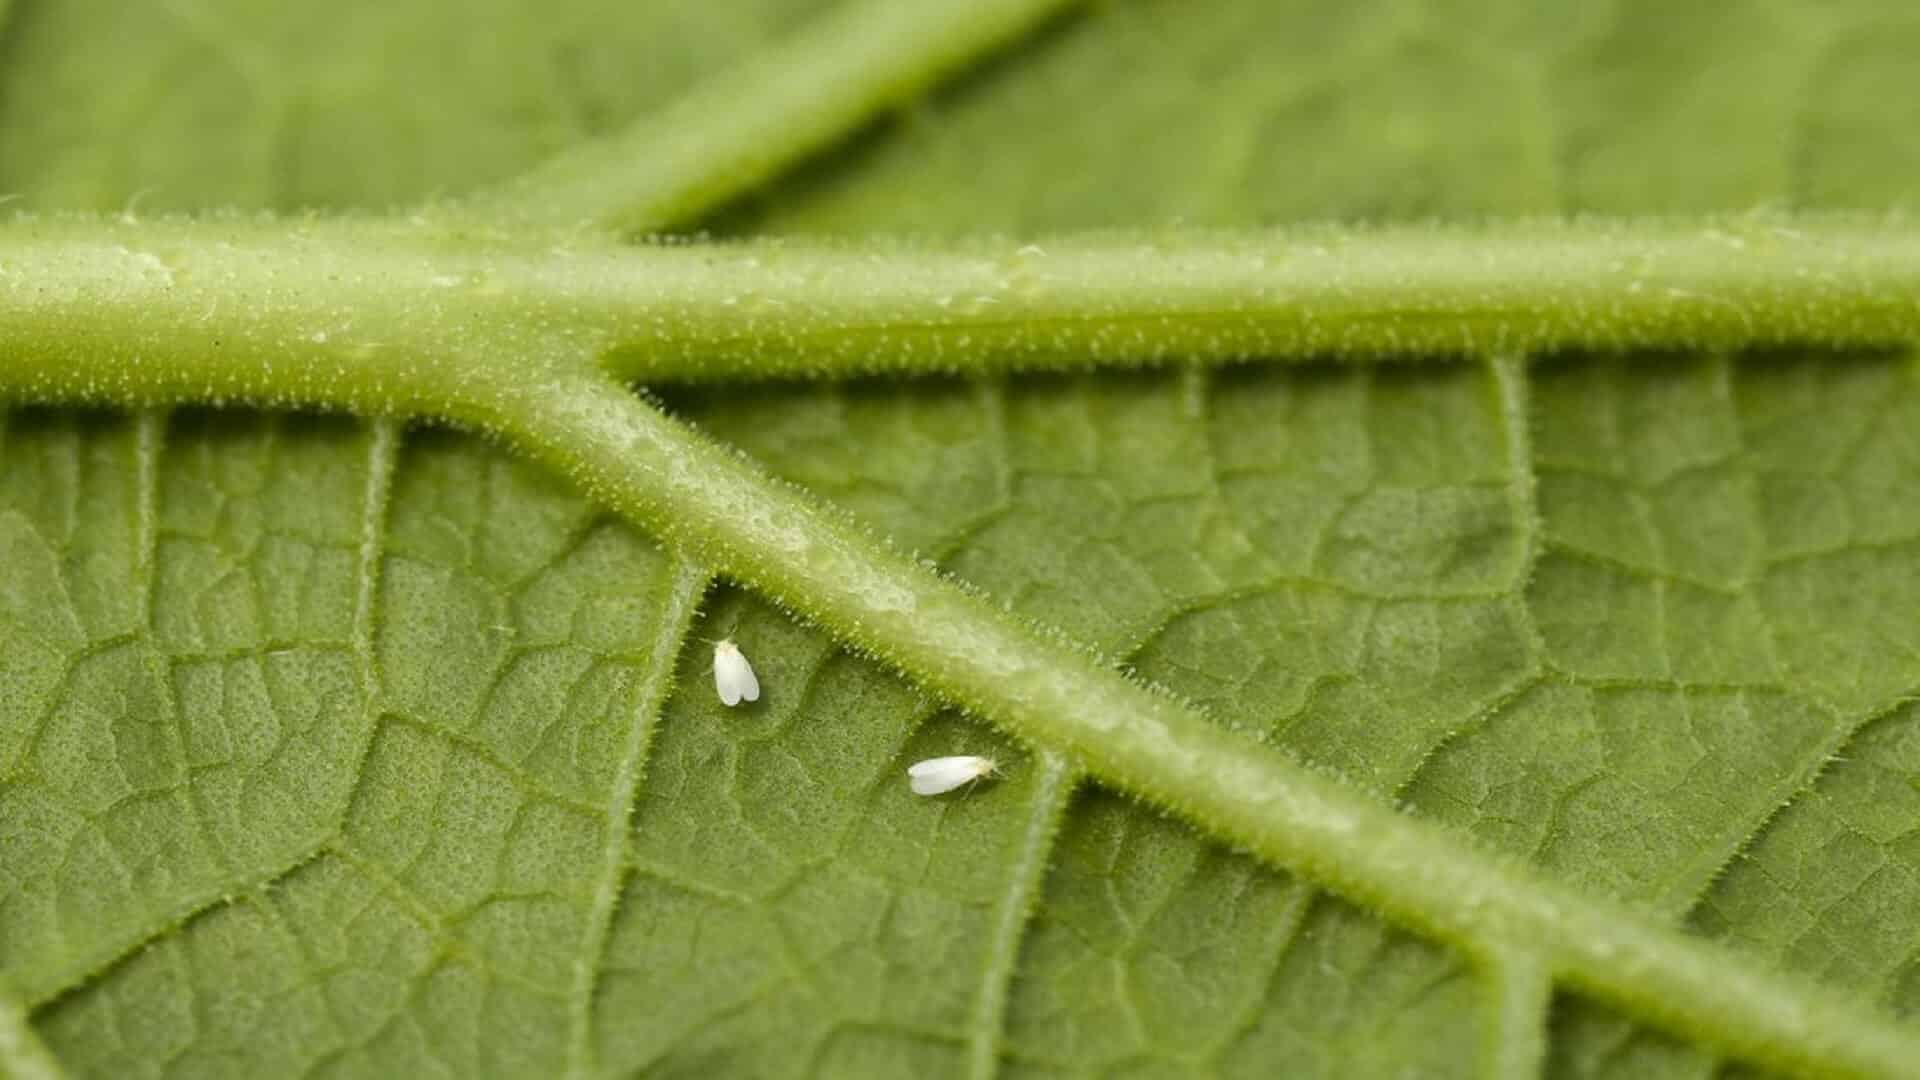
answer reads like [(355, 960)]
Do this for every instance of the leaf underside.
[(327, 745)]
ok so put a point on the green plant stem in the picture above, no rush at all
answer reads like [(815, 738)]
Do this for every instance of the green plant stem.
[(743, 125), (350, 301), (720, 509)]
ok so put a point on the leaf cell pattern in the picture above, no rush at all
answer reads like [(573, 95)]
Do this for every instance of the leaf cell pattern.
[(331, 747)]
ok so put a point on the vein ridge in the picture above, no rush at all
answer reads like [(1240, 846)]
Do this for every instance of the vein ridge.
[(1053, 787), (1521, 988), (686, 584)]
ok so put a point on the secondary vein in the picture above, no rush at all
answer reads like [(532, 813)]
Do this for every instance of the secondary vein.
[(1520, 990), (684, 587), (1053, 785), (384, 436), (743, 125)]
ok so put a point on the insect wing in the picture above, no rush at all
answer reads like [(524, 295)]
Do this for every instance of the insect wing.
[(937, 776), (733, 676)]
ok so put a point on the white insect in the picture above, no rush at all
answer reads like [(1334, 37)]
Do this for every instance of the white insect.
[(937, 776), (732, 675)]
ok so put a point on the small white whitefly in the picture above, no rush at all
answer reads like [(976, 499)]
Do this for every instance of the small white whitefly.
[(937, 776), (732, 675)]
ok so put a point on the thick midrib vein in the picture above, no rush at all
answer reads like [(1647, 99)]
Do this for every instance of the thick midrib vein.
[(371, 312), (685, 584)]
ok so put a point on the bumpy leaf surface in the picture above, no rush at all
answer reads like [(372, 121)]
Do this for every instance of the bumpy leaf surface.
[(330, 746)]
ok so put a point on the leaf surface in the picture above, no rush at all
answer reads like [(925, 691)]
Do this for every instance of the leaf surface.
[(329, 745)]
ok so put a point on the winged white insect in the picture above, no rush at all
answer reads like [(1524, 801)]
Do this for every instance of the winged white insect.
[(937, 776), (732, 675)]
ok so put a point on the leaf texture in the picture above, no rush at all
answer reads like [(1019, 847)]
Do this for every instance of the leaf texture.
[(333, 746)]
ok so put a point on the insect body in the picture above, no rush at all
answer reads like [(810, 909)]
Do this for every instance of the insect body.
[(937, 776), (732, 675)]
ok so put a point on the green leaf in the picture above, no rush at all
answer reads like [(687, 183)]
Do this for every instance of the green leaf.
[(321, 737)]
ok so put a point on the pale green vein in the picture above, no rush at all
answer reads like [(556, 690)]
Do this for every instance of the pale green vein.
[(399, 892), (383, 455), (1697, 876), (1283, 932), (1509, 374), (1520, 992), (741, 126), (684, 586), (369, 313), (383, 450), (41, 987), (22, 1055), (149, 438), (1131, 300), (150, 432), (1053, 783)]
